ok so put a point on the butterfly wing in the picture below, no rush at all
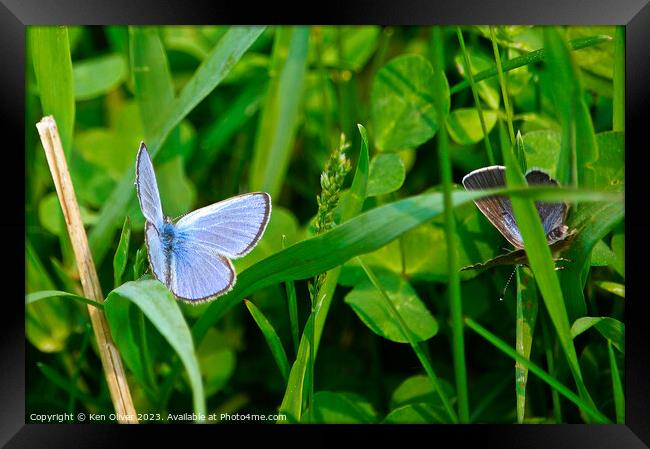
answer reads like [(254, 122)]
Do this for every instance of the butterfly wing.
[(197, 273), (497, 209), (553, 215), (158, 257), (147, 188), (231, 227)]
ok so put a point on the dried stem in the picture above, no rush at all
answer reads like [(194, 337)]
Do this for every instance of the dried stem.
[(111, 361)]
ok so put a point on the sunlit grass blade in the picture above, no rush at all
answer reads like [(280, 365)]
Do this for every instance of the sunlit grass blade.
[(617, 386), (543, 267), (527, 304), (406, 331), (527, 59), (210, 73), (279, 119), (152, 83), (50, 49), (455, 300), (610, 328), (271, 337), (122, 253), (44, 294), (586, 406)]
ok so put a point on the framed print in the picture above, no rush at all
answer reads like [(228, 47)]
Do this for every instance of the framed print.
[(386, 214)]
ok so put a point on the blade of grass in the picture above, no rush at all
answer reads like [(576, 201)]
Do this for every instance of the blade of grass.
[(279, 119), (455, 300), (477, 101), (550, 363), (122, 253), (419, 352), (527, 59), (526, 317), (271, 337), (617, 386), (292, 402), (207, 77), (539, 372), (618, 102), (504, 89), (292, 303), (543, 267), (43, 294), (57, 379)]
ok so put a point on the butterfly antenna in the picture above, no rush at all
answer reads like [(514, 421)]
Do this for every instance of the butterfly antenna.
[(508, 283)]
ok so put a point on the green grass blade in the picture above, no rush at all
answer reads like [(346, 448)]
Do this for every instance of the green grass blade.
[(279, 119), (122, 253), (272, 339), (50, 48), (527, 304), (586, 406), (455, 300), (85, 342), (477, 101), (618, 102), (530, 58), (504, 88), (44, 294), (617, 386), (610, 328), (550, 363), (160, 307), (210, 73), (406, 331), (543, 267), (292, 402), (152, 83), (292, 303)]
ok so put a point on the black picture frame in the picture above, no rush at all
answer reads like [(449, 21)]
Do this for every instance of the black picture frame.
[(15, 15)]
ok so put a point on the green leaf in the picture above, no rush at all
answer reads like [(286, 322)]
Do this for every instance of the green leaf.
[(272, 339), (617, 386), (160, 307), (97, 76), (153, 86), (612, 287), (527, 304), (367, 303), (31, 298), (279, 119), (386, 174), (292, 402), (610, 166), (488, 89), (419, 413), (53, 69), (347, 47), (122, 253), (341, 408), (592, 222), (216, 360), (464, 125), (420, 389), (51, 217), (208, 76), (602, 255), (613, 330), (402, 103), (140, 264), (542, 150)]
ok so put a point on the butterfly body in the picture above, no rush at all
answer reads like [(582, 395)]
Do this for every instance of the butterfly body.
[(498, 210), (191, 255)]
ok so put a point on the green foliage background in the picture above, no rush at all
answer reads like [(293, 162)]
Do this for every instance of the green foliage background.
[(227, 110)]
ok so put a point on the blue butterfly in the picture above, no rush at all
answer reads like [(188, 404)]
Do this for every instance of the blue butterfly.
[(191, 256)]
